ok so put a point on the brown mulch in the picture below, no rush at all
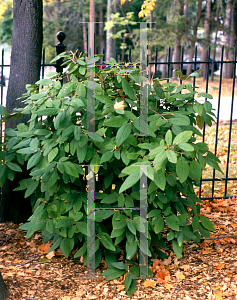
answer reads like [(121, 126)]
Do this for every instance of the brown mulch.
[(207, 270)]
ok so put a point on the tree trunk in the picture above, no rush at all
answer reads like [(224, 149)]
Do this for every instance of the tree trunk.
[(91, 41), (193, 42), (109, 40), (84, 33), (215, 41), (4, 293), (229, 40), (26, 53), (207, 39), (101, 27), (179, 34)]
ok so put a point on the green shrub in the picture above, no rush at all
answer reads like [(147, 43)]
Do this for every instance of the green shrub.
[(56, 145)]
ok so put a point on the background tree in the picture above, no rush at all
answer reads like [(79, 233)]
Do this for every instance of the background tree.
[(207, 39), (27, 41), (229, 38), (6, 22), (194, 36)]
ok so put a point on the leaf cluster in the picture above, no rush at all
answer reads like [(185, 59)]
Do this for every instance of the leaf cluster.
[(101, 123)]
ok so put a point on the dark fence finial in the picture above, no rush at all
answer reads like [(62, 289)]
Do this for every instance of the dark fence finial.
[(60, 47), (61, 37)]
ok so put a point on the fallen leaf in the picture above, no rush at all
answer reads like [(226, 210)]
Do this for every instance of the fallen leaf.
[(50, 254), (185, 267), (149, 283), (218, 295), (120, 287), (44, 247), (169, 286), (179, 275), (167, 261)]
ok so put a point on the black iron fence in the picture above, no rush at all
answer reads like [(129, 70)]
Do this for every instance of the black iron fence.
[(222, 183)]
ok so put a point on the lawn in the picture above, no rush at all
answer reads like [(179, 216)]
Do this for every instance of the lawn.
[(222, 153)]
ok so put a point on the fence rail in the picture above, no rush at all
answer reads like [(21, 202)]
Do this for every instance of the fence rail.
[(214, 65)]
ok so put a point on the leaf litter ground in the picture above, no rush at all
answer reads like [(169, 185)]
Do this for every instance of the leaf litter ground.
[(207, 270)]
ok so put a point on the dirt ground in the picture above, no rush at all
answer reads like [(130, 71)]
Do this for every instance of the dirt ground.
[(207, 270)]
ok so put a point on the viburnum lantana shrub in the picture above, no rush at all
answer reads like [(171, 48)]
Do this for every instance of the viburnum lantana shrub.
[(56, 146)]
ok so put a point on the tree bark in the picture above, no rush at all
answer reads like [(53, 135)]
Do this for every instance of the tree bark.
[(109, 40), (4, 293), (179, 34), (215, 41), (101, 29), (84, 34), (27, 40), (229, 40), (193, 42), (207, 40)]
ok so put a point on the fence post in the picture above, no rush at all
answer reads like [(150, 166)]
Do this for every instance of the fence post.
[(60, 47)]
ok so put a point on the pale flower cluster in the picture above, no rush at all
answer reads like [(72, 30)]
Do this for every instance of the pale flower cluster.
[(119, 105)]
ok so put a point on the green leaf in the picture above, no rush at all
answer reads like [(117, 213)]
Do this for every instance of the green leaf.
[(44, 82), (81, 153), (206, 223), (34, 160), (195, 171), (101, 215), (81, 251), (77, 132), (67, 245), (160, 160), (182, 169), (70, 168), (168, 137), (130, 181), (123, 133), (172, 156), (179, 121), (205, 95), (195, 223), (177, 249), (55, 245), (31, 188), (204, 232), (64, 222), (186, 147), (132, 250), (52, 154), (159, 224), (119, 265), (2, 110), (131, 169), (117, 121), (170, 235), (128, 90), (106, 156), (106, 240), (112, 198), (96, 137), (160, 179), (182, 137), (82, 227), (113, 273), (14, 167), (172, 223), (200, 122), (66, 89), (131, 227), (198, 108), (47, 112), (208, 106), (61, 120)]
